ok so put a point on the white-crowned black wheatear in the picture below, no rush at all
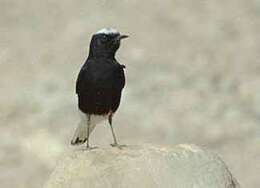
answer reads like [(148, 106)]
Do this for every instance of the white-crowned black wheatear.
[(99, 85)]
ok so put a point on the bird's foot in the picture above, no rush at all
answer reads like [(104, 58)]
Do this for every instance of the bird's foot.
[(89, 148), (118, 145)]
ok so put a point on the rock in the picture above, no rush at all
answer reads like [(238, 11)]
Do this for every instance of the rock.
[(147, 166)]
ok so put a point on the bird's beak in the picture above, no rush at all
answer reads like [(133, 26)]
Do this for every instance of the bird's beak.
[(122, 37)]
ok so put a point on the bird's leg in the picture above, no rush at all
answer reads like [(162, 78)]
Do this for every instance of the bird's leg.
[(112, 130), (88, 133), (115, 144), (88, 124)]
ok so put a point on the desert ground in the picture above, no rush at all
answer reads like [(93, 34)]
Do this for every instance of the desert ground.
[(193, 76)]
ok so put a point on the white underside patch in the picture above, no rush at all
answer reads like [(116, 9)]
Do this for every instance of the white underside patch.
[(107, 31), (80, 134)]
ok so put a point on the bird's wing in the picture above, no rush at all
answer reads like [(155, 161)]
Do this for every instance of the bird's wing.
[(119, 77), (82, 80), (99, 87), (98, 76)]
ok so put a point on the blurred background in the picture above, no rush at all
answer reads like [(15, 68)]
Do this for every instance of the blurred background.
[(193, 76)]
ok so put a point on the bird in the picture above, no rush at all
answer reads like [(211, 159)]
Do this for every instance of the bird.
[(99, 85)]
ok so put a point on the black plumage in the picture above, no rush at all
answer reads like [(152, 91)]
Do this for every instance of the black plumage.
[(100, 82), (99, 86)]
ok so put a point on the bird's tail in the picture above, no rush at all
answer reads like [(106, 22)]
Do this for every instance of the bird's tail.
[(81, 133)]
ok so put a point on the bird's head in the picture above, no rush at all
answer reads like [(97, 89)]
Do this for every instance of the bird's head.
[(105, 43)]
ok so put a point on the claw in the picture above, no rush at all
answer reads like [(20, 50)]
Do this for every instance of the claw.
[(89, 148), (118, 145)]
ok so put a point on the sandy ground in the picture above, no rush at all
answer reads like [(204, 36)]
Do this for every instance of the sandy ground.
[(193, 76)]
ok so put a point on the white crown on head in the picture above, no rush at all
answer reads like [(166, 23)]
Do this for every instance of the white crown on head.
[(107, 31)]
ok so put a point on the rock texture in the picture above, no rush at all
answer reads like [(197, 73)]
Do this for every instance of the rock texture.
[(182, 166)]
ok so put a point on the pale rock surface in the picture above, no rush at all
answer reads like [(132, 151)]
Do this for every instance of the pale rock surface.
[(147, 166)]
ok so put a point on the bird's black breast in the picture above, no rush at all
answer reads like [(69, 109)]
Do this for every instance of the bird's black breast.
[(99, 86)]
